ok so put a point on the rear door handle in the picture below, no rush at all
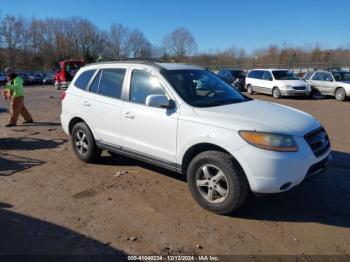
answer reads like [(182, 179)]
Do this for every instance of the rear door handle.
[(129, 115), (86, 103)]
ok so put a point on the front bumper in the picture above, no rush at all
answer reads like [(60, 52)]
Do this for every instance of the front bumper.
[(274, 172), (292, 92)]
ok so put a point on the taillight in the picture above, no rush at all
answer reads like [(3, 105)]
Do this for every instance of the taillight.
[(63, 95)]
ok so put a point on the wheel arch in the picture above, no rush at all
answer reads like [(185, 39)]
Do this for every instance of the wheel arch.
[(196, 149), (274, 88), (338, 87), (73, 122)]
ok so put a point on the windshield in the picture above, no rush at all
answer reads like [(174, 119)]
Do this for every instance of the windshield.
[(284, 75), (202, 88), (341, 76)]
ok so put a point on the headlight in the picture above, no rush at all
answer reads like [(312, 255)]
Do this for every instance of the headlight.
[(269, 141), (288, 87)]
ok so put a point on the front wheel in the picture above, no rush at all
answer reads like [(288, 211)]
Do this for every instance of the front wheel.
[(250, 90), (83, 143), (217, 182), (276, 93), (340, 94)]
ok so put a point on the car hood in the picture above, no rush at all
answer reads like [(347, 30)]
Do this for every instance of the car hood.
[(259, 116), (293, 82)]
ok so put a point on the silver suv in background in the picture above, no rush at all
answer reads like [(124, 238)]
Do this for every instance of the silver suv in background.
[(335, 83)]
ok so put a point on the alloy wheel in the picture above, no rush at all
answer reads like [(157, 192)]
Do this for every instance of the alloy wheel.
[(81, 142), (212, 184), (339, 94)]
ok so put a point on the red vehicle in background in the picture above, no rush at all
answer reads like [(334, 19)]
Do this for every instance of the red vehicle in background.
[(66, 72)]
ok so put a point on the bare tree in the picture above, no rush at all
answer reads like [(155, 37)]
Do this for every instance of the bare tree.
[(179, 43), (41, 43), (118, 36), (88, 38), (10, 30), (138, 45)]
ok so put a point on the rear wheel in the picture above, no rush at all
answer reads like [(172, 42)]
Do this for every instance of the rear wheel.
[(84, 145), (217, 182), (340, 94), (276, 93)]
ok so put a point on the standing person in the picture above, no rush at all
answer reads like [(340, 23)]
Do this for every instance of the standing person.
[(13, 91)]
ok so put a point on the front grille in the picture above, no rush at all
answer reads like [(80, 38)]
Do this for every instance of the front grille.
[(299, 87), (318, 141)]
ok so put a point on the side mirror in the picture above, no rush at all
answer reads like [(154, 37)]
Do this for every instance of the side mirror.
[(160, 101)]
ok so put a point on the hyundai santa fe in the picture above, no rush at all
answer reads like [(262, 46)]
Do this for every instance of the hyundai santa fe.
[(186, 119)]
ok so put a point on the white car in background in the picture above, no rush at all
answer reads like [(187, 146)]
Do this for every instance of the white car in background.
[(276, 82), (186, 119)]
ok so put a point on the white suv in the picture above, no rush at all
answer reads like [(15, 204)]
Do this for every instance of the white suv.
[(186, 119), (276, 82)]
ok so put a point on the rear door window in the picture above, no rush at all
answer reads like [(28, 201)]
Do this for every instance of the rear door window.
[(322, 76), (83, 79), (111, 83), (328, 77)]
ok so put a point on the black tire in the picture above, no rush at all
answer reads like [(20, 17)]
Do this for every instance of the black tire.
[(276, 93), (340, 94), (250, 90), (87, 150), (237, 184)]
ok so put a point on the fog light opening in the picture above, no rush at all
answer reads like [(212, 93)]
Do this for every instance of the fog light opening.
[(285, 186)]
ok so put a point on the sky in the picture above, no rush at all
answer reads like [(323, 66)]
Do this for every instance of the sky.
[(216, 25)]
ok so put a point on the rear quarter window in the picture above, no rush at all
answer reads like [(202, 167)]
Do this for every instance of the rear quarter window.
[(84, 79)]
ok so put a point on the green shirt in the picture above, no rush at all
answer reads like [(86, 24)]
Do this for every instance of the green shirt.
[(16, 86)]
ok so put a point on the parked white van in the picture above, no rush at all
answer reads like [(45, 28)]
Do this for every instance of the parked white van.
[(276, 82)]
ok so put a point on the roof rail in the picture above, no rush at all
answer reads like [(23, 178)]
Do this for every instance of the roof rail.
[(150, 62), (154, 60)]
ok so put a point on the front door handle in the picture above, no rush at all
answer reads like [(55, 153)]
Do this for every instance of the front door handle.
[(86, 103), (129, 115)]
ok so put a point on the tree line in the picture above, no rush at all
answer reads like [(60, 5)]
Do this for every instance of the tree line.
[(35, 44)]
